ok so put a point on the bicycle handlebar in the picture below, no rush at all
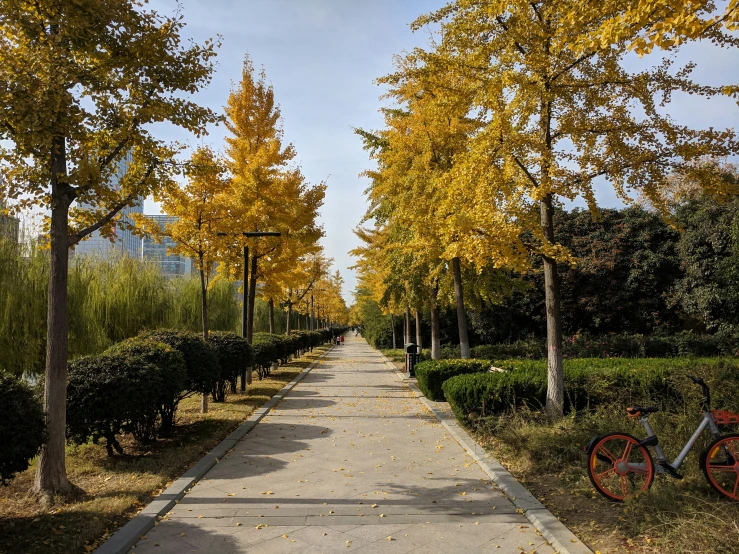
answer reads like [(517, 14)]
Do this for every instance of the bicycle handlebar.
[(706, 402)]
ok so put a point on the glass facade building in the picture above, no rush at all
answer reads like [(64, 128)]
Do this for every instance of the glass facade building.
[(125, 242), (171, 265)]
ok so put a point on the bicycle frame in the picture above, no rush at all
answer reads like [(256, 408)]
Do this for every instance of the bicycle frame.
[(708, 422)]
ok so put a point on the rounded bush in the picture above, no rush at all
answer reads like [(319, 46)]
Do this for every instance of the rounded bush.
[(201, 360), (431, 374), (112, 394), (266, 349), (171, 372), (22, 427), (234, 355)]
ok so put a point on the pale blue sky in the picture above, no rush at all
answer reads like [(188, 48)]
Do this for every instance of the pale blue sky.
[(322, 57)]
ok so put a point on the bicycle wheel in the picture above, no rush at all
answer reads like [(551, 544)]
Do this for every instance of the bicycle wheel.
[(720, 464), (618, 468)]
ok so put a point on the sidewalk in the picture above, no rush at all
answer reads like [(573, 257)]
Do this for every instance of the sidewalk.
[(350, 460)]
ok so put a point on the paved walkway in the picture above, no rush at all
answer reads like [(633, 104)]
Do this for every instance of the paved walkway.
[(349, 461)]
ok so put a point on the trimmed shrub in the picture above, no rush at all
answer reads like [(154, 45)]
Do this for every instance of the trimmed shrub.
[(171, 373), (111, 394), (201, 360), (431, 374), (234, 355), (22, 427), (590, 383), (266, 349)]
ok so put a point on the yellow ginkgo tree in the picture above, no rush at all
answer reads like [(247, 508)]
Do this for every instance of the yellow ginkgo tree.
[(80, 85), (556, 119)]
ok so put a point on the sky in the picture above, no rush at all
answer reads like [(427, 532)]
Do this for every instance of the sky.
[(322, 57)]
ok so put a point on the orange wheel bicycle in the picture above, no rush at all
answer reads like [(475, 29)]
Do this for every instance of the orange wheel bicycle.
[(720, 464), (618, 467)]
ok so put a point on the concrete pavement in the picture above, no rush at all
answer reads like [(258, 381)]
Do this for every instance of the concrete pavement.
[(350, 460)]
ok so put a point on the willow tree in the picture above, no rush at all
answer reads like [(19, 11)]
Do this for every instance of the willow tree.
[(556, 120), (80, 85)]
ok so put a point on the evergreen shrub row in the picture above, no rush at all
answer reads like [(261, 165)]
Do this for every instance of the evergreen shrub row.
[(22, 426), (431, 374), (590, 383)]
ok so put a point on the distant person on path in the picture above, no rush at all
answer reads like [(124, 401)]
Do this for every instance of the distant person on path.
[(341, 338)]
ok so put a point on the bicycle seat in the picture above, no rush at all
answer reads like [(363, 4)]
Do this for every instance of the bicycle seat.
[(636, 411)]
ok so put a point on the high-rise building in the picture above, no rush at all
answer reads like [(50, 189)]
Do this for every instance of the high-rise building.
[(171, 265), (125, 242)]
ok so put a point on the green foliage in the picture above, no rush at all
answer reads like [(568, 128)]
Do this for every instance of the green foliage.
[(590, 383), (267, 349), (109, 394), (433, 373), (171, 372), (109, 300), (234, 355), (22, 427), (201, 360)]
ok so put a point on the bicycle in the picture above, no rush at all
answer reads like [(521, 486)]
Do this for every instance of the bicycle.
[(620, 465)]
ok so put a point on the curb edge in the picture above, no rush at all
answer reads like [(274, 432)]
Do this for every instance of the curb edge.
[(127, 536), (544, 521)]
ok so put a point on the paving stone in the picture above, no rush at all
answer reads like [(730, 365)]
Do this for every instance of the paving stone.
[(348, 458)]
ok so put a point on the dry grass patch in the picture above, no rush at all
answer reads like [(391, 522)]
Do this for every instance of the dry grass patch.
[(116, 488), (678, 517)]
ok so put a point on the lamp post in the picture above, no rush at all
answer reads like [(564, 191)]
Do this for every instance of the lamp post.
[(245, 305)]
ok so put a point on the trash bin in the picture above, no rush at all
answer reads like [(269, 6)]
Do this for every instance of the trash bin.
[(412, 357)]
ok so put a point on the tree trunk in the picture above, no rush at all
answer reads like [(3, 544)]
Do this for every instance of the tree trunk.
[(271, 315), (51, 470), (312, 315), (407, 327), (464, 341), (250, 319), (555, 374), (204, 313), (392, 323), (288, 330), (418, 330), (435, 332)]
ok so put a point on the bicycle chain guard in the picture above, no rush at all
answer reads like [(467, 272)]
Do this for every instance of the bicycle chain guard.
[(723, 417)]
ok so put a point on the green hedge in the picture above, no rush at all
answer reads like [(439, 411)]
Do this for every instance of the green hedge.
[(593, 382), (171, 373), (267, 349), (234, 355), (201, 360), (22, 427), (431, 374), (111, 394)]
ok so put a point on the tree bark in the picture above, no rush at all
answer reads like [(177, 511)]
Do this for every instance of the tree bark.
[(271, 305), (204, 314), (555, 373), (464, 341), (312, 315), (392, 323), (51, 470), (407, 327), (418, 330), (435, 331)]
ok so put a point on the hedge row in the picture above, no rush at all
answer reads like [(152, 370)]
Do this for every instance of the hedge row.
[(593, 382), (431, 374), (135, 387), (22, 427)]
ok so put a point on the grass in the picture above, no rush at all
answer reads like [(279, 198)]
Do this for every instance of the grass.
[(117, 488), (674, 516)]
